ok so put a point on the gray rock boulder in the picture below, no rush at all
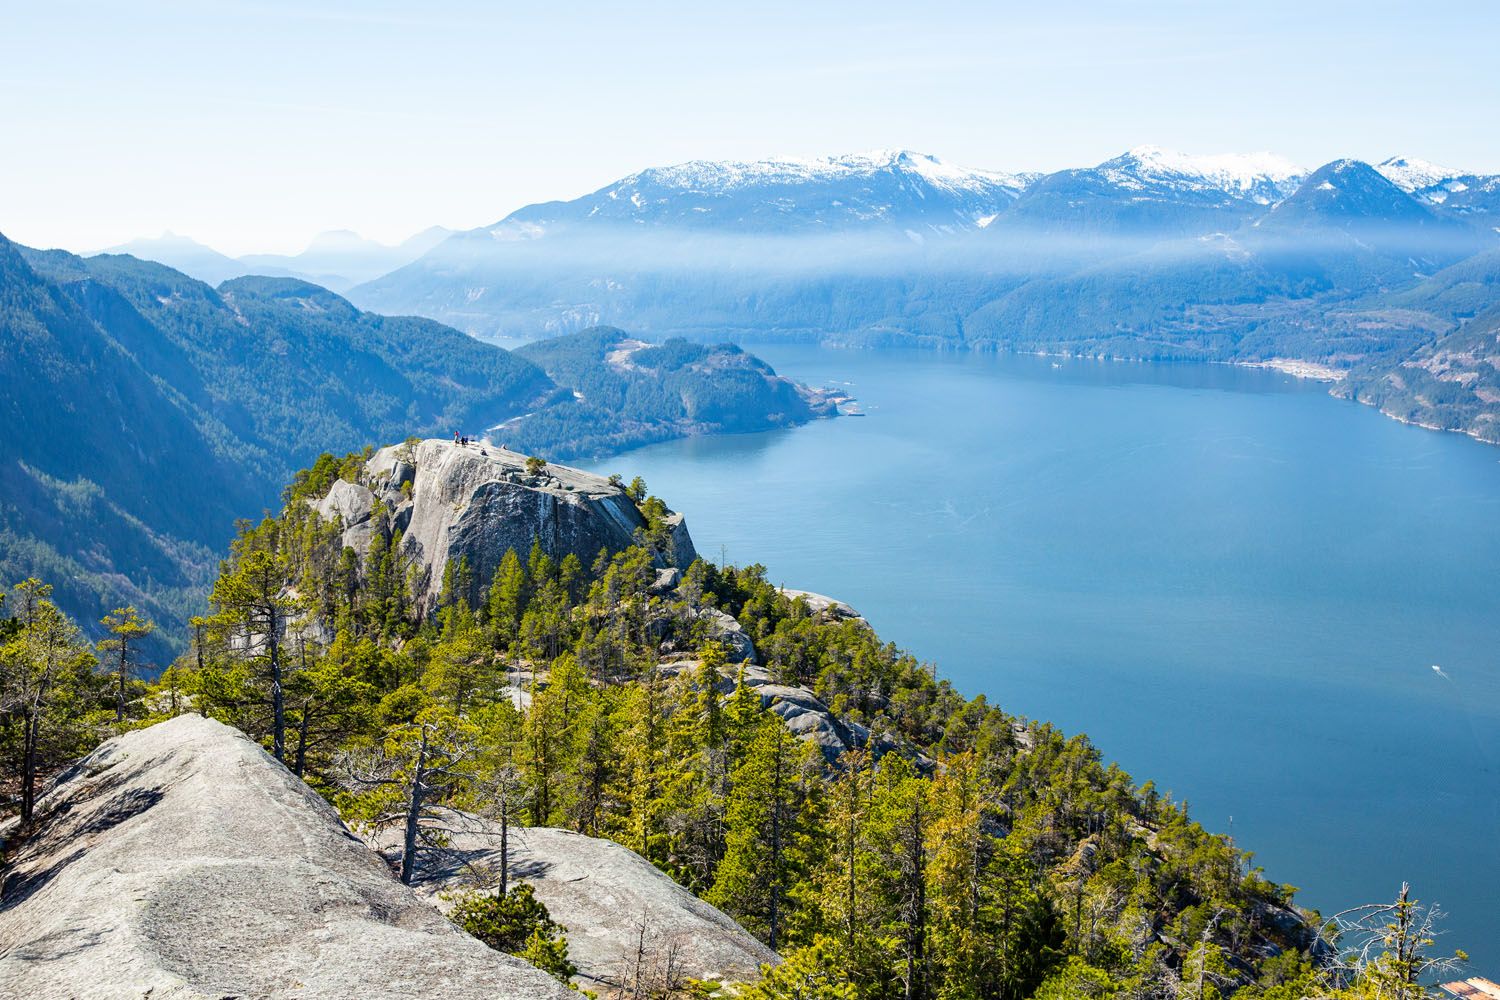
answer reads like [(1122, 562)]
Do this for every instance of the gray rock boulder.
[(820, 604), (666, 581), (181, 862), (809, 719), (804, 712), (622, 915), (726, 630), (477, 501)]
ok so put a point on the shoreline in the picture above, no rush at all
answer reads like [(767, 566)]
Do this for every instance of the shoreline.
[(1310, 370)]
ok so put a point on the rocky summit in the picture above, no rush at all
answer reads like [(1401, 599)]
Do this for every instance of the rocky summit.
[(452, 502), (180, 862), (627, 923)]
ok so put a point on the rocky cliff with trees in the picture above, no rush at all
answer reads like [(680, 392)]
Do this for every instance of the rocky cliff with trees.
[(883, 834)]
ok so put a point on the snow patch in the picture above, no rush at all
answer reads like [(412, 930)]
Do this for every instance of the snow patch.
[(1260, 176), (1410, 174)]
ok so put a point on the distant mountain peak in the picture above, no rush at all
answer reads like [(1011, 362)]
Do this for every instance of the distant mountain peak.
[(341, 241), (1262, 177), (1350, 192), (1411, 174), (724, 176), (167, 239), (900, 189)]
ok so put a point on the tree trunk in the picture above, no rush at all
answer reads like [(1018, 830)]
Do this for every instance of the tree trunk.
[(28, 766), (414, 814), (916, 924), (776, 847), (302, 740), (120, 691), (504, 844), (278, 705)]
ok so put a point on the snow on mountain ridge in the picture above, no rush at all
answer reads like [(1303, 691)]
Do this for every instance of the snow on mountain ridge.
[(1260, 176), (721, 176), (1411, 174)]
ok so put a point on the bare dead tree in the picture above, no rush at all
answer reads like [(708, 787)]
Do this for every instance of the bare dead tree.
[(1390, 945), (654, 968), (428, 763)]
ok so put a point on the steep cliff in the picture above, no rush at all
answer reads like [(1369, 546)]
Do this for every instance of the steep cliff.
[(181, 862), (452, 502)]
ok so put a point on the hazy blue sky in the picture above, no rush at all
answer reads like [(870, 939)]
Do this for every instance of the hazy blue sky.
[(254, 125)]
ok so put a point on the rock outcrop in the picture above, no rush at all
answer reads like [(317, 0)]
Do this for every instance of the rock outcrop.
[(804, 713), (827, 607), (181, 862), (726, 630), (625, 920), (476, 501)]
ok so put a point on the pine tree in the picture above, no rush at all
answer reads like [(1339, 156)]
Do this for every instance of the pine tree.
[(251, 610), (505, 601), (762, 857), (128, 629), (548, 750), (47, 689)]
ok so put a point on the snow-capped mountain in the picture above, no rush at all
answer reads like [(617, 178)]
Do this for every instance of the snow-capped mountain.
[(901, 244), (1350, 190), (1150, 191), (1412, 175), (896, 187), (1459, 193), (1262, 178), (1349, 214)]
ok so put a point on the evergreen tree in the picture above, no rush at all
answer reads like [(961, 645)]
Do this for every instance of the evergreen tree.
[(767, 823), (48, 689), (128, 628), (518, 923), (252, 606), (505, 601)]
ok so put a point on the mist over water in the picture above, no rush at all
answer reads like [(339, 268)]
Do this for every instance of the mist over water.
[(1235, 584)]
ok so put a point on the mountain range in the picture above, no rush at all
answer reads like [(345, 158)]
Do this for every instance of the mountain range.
[(337, 260), (1151, 254)]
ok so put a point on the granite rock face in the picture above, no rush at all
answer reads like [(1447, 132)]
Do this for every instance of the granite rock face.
[(476, 501), (354, 505), (180, 862), (625, 920)]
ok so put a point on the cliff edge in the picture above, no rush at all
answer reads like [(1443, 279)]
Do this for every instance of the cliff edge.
[(180, 862)]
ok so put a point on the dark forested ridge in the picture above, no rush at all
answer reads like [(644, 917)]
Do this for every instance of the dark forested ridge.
[(932, 846), (626, 392), (145, 411)]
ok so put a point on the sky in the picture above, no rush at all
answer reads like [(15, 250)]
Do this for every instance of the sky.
[(254, 125)]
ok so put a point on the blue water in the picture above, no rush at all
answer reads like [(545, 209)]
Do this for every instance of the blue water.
[(1235, 584)]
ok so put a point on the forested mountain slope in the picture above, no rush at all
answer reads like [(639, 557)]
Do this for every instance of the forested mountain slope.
[(626, 390), (146, 411), (883, 834)]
